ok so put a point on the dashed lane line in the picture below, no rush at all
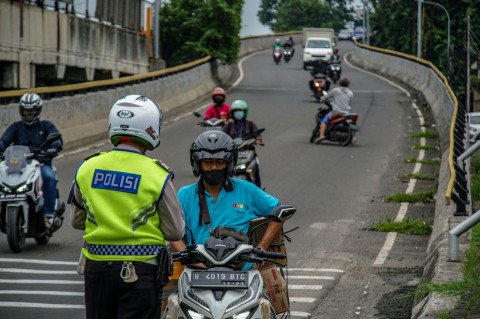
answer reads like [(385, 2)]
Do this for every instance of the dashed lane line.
[(37, 271), (39, 305), (302, 299), (41, 292), (316, 269), (305, 287), (311, 277), (34, 281)]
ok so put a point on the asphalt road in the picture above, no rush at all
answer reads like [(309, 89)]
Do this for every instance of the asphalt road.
[(338, 192)]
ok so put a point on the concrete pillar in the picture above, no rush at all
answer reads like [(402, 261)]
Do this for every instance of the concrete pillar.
[(61, 71), (115, 74), (90, 72), (26, 71), (10, 76)]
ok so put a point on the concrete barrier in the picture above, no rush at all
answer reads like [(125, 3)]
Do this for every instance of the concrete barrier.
[(417, 75)]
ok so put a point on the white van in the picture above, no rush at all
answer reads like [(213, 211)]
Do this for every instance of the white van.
[(316, 49)]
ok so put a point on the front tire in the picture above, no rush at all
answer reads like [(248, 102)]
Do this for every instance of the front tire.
[(15, 234)]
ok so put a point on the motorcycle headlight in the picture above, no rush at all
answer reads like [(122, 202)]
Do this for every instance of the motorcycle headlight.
[(24, 188), (243, 315), (241, 167), (194, 315), (5, 189)]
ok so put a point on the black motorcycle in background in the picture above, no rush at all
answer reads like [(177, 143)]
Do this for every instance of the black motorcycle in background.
[(341, 130), (247, 164), (287, 54), (334, 70)]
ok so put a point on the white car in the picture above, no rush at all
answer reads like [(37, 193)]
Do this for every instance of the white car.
[(316, 49), (473, 126)]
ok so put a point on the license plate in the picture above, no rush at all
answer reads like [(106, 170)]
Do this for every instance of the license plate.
[(12, 197), (219, 279)]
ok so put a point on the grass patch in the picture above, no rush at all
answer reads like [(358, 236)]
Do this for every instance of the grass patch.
[(423, 197), (413, 160), (408, 226), (468, 288), (426, 134), (425, 147), (416, 176)]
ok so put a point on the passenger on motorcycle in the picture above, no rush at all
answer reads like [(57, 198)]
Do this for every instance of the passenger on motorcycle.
[(243, 128), (339, 99), (219, 109), (32, 132), (227, 202)]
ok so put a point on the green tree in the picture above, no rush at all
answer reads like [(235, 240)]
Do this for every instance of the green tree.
[(288, 15), (192, 29)]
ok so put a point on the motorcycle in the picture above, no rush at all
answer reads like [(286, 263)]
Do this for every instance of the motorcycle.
[(319, 85), (334, 70), (341, 130), (21, 198), (277, 55), (211, 124), (224, 289), (287, 54), (247, 162)]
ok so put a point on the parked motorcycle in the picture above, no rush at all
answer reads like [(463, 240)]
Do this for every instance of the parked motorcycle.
[(211, 124), (287, 54), (247, 164), (334, 70), (341, 130), (277, 55), (224, 289), (21, 198)]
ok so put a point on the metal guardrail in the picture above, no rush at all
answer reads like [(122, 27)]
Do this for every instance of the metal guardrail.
[(458, 188), (50, 92)]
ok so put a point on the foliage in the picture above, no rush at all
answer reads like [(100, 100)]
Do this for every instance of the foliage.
[(413, 160), (286, 15), (423, 197), (426, 134), (408, 226), (192, 29), (418, 176), (394, 25)]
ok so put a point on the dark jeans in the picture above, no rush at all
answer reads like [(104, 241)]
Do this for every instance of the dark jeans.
[(107, 296)]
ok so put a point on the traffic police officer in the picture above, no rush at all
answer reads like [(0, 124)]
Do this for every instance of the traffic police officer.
[(127, 205)]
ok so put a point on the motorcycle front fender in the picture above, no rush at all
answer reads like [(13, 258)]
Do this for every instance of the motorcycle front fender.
[(25, 208)]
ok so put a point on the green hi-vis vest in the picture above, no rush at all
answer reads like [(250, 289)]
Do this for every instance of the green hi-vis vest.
[(120, 191)]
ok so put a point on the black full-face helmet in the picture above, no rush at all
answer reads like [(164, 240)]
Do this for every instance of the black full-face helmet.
[(213, 144), (30, 107)]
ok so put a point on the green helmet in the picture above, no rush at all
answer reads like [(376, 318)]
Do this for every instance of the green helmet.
[(239, 105)]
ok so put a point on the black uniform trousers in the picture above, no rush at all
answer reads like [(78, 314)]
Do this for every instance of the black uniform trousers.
[(108, 296)]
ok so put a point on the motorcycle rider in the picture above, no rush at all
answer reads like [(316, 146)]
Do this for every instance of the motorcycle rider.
[(227, 201), (127, 205), (277, 44), (320, 69), (335, 57), (219, 109), (32, 132), (339, 99), (289, 44), (243, 128)]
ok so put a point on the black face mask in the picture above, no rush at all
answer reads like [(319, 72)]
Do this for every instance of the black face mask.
[(218, 100), (215, 177)]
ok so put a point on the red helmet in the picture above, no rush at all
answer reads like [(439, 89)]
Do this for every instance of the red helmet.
[(219, 91)]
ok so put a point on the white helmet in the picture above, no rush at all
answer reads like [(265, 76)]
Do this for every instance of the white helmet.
[(135, 119)]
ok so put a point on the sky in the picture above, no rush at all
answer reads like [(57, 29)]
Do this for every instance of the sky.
[(250, 23)]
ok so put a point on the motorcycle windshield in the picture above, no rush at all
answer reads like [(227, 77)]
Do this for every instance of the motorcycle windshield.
[(245, 156), (16, 158)]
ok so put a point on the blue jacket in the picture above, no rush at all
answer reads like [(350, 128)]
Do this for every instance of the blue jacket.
[(19, 133)]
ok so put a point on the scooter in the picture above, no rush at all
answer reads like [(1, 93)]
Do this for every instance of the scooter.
[(334, 70), (277, 55), (211, 124), (224, 289), (319, 84), (341, 130), (287, 54), (21, 198), (247, 164)]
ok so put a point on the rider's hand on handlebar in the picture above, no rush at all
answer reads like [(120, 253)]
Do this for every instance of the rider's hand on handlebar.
[(51, 152), (259, 142)]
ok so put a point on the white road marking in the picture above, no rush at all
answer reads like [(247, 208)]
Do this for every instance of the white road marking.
[(37, 261), (387, 246), (302, 299), (40, 305), (316, 269), (35, 271), (41, 292), (305, 287), (312, 277), (46, 281), (300, 314)]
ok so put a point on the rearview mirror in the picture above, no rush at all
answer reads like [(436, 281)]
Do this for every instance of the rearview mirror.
[(282, 212), (197, 114)]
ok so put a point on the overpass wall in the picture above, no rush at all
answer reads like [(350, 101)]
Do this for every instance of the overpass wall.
[(83, 118), (422, 78), (34, 36)]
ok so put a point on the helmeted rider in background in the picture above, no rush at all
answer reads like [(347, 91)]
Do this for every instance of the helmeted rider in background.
[(289, 44), (277, 44), (335, 57), (243, 128), (230, 202), (32, 132), (340, 99), (219, 109), (320, 69)]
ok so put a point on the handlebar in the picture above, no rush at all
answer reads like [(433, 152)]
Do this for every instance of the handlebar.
[(267, 254)]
